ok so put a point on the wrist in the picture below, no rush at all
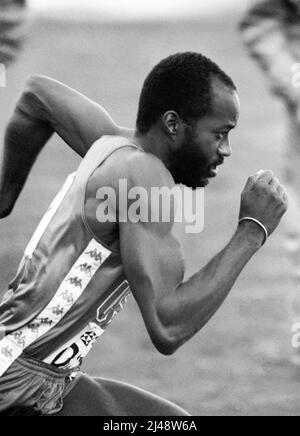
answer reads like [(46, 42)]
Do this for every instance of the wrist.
[(250, 232)]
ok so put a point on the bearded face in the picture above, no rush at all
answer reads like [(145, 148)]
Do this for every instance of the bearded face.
[(189, 165)]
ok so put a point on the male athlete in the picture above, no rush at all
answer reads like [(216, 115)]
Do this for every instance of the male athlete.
[(77, 273)]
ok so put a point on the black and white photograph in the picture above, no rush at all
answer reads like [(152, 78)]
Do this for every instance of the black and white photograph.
[(149, 211)]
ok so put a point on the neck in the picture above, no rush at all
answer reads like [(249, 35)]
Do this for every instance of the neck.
[(155, 142)]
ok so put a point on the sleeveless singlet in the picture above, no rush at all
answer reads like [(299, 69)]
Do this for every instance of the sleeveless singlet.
[(69, 285)]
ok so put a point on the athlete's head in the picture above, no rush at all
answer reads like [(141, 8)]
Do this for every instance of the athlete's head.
[(189, 99)]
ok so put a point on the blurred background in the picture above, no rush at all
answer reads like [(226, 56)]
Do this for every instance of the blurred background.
[(240, 363)]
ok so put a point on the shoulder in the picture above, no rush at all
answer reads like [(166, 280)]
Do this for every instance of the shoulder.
[(141, 169), (136, 166), (145, 182)]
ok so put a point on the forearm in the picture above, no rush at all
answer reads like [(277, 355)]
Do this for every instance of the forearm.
[(186, 311), (27, 132), (24, 139)]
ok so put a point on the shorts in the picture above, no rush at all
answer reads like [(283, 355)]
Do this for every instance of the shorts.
[(33, 388), (30, 387)]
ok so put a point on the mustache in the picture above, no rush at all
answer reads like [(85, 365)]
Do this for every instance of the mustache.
[(219, 162)]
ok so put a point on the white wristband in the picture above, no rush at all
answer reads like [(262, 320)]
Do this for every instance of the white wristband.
[(248, 218)]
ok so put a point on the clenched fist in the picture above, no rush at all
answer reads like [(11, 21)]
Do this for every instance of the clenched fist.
[(264, 199)]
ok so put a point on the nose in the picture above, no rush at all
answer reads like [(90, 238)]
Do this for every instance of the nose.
[(225, 150)]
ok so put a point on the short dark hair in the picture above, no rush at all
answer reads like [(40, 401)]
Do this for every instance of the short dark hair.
[(181, 82)]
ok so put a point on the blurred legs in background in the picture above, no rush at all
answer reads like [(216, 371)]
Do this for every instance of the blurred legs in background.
[(12, 19), (292, 220), (271, 31)]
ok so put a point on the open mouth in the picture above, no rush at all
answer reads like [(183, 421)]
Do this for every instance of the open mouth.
[(213, 171)]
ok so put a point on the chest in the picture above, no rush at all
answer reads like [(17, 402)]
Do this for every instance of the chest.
[(103, 226)]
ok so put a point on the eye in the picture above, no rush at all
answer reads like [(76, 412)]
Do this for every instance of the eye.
[(221, 136)]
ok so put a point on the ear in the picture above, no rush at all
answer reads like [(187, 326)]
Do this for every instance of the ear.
[(171, 123)]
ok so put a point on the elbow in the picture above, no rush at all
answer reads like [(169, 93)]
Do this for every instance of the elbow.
[(37, 87), (165, 348), (33, 86), (166, 336), (31, 102), (34, 81), (166, 343)]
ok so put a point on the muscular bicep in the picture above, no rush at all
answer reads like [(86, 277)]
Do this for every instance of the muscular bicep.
[(77, 119), (154, 268)]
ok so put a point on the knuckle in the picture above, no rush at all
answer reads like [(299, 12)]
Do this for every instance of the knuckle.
[(283, 209), (282, 202), (269, 173), (259, 173)]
